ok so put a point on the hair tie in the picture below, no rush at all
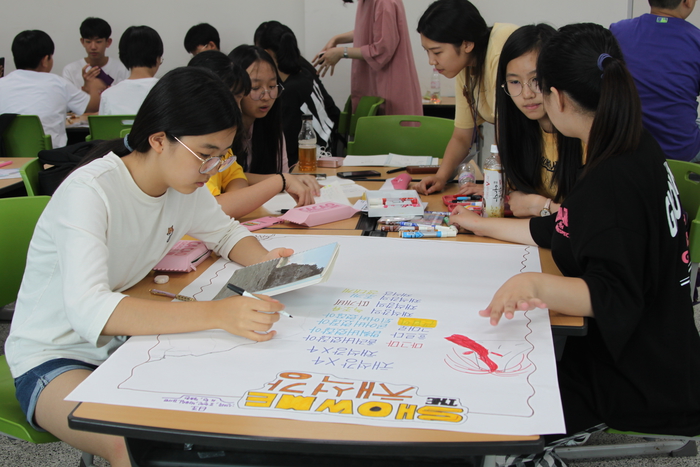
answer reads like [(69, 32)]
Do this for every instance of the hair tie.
[(602, 58), (126, 142)]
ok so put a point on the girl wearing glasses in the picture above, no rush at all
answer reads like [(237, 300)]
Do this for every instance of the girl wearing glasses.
[(237, 196), (105, 228), (540, 163), (265, 152), (638, 367), (459, 44)]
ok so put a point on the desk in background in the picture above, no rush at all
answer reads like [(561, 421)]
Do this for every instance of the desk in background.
[(445, 109), (13, 187)]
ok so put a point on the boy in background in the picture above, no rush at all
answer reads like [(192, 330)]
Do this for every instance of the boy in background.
[(141, 50), (662, 51), (33, 90), (95, 36), (202, 37)]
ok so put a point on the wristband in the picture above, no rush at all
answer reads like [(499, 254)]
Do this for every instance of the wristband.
[(345, 53), (284, 182)]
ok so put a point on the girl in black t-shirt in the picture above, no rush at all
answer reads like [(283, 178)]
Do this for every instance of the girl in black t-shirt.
[(620, 242)]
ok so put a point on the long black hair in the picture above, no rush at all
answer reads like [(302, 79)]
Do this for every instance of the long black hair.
[(233, 76), (275, 36), (454, 22), (187, 101), (519, 138), (585, 62), (267, 131)]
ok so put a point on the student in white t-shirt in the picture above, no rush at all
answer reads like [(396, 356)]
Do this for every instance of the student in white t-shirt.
[(105, 228), (95, 36), (141, 50), (33, 90)]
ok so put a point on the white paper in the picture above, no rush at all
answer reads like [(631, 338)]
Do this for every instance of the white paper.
[(388, 160), (6, 174), (369, 346), (332, 192)]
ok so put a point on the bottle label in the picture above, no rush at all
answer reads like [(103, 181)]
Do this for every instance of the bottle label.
[(493, 193), (465, 177)]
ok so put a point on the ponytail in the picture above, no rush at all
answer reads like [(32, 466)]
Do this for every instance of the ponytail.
[(617, 126), (280, 39), (585, 62)]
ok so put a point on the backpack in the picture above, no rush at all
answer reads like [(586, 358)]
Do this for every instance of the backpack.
[(62, 161)]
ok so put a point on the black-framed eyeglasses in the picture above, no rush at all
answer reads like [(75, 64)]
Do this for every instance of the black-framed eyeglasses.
[(210, 163), (514, 87), (273, 91)]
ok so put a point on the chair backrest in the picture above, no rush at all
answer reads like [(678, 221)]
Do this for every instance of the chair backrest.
[(407, 135), (344, 119), (30, 176), (367, 107), (108, 126), (13, 422), (687, 175), (25, 137), (18, 217)]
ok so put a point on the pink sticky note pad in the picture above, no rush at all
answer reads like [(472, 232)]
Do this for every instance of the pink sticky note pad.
[(185, 256), (317, 214), (401, 182)]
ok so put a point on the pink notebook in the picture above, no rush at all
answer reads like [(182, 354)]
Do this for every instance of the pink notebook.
[(185, 256)]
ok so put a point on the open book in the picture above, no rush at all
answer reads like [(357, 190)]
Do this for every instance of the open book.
[(284, 274)]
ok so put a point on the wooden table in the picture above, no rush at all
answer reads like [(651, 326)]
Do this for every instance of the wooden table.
[(155, 435), (11, 185), (356, 222)]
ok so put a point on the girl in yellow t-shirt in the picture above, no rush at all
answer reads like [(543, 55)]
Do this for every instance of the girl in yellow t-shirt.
[(460, 45)]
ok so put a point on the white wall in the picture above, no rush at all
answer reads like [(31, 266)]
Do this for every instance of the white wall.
[(314, 22)]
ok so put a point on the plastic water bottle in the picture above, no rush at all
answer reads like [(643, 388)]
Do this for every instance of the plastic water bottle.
[(465, 174), (307, 145), (435, 87), (493, 185)]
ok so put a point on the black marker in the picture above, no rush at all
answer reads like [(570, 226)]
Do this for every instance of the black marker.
[(243, 293)]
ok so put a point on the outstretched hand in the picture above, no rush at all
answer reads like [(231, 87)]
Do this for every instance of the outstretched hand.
[(519, 293)]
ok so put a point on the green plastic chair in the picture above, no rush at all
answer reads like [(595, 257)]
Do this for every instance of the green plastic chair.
[(687, 175), (18, 216), (367, 107), (407, 135), (344, 120), (13, 422), (30, 176), (108, 126), (25, 137)]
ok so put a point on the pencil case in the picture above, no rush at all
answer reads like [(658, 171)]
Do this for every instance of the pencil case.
[(317, 214), (185, 256), (471, 202)]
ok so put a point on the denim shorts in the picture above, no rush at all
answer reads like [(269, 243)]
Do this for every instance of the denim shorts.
[(29, 385)]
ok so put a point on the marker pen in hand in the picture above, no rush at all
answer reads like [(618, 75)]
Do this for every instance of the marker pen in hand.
[(240, 291)]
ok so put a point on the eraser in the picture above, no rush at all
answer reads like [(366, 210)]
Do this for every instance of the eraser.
[(163, 279)]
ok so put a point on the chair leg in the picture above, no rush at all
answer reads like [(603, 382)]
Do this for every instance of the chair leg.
[(659, 446), (87, 460), (693, 279)]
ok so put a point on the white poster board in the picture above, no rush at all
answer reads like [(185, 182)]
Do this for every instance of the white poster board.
[(393, 339)]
